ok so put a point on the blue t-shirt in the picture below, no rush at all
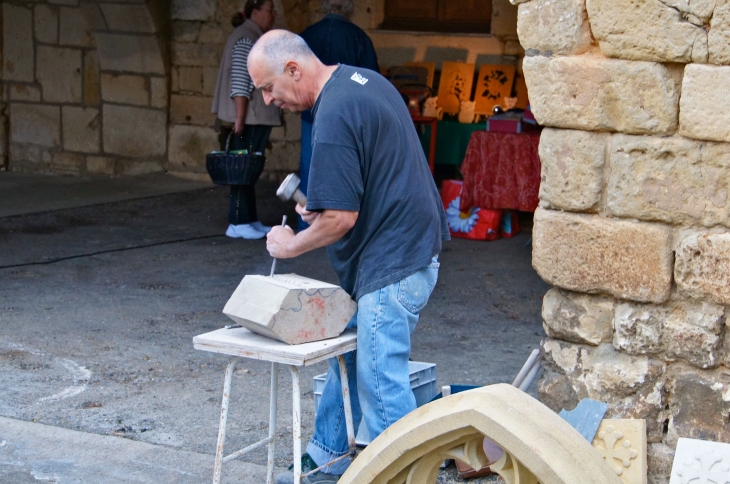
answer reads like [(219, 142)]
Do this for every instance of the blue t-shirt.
[(366, 157)]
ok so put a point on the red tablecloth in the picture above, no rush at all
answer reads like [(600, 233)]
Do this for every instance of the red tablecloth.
[(501, 170)]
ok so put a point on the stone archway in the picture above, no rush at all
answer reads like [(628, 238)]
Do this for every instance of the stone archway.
[(537, 445)]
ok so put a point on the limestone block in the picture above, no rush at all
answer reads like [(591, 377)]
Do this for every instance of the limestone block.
[(210, 78), (67, 163), (701, 461), (78, 25), (212, 33), (680, 330), (137, 167), (582, 253), (80, 129), (718, 38), (190, 144), (598, 94), (648, 31), (30, 156), (190, 79), (554, 27), (290, 308), (99, 165), (697, 10), (702, 267), (293, 123), (191, 110), (703, 108), (622, 444), (205, 55), (699, 406), (124, 89), (45, 19), (578, 318), (59, 73), (24, 92), (35, 124), (283, 157), (278, 133), (556, 391), (185, 31), (132, 131), (572, 168), (202, 10), (130, 53), (674, 180), (158, 92), (128, 18), (92, 83), (606, 370), (17, 55), (659, 459)]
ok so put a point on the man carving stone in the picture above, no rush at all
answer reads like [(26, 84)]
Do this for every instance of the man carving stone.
[(372, 201)]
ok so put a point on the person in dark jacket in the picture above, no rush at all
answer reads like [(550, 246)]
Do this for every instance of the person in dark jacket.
[(334, 40)]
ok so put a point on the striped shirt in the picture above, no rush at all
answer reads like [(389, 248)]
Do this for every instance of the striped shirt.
[(241, 83)]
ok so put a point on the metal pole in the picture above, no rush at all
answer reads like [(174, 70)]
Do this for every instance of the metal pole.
[(223, 422), (346, 404), (296, 423), (273, 400)]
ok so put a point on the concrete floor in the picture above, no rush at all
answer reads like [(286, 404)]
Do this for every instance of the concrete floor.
[(99, 304)]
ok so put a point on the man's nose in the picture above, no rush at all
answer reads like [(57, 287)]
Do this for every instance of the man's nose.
[(267, 97)]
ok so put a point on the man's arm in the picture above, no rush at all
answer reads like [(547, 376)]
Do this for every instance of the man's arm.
[(329, 227), (241, 107)]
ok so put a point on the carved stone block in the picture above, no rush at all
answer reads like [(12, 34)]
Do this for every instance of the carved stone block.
[(290, 308), (701, 461), (622, 443)]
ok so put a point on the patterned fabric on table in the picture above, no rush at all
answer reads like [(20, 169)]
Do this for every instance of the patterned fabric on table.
[(501, 170)]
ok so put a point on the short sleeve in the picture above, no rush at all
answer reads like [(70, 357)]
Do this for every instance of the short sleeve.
[(335, 178)]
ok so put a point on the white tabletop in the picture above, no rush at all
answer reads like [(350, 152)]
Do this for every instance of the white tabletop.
[(242, 342)]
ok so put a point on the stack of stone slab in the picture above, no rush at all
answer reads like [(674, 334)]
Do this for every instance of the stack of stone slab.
[(633, 227), (290, 308)]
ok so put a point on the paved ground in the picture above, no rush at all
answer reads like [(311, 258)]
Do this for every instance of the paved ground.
[(99, 304)]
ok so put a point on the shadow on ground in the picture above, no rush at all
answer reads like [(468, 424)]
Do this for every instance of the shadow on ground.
[(98, 307)]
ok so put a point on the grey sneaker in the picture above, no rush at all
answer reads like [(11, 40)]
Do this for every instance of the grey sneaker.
[(320, 477), (308, 464)]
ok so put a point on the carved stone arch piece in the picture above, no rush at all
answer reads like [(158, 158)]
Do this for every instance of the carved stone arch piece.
[(537, 445)]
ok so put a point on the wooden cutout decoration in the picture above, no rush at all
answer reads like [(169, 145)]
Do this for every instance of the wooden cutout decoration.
[(431, 66), (521, 92), (622, 443), (494, 84), (455, 85), (701, 462)]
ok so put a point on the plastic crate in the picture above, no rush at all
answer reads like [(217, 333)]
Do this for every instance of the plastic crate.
[(423, 385)]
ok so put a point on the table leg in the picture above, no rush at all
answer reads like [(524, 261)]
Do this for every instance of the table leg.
[(218, 468), (296, 423), (347, 404), (272, 421)]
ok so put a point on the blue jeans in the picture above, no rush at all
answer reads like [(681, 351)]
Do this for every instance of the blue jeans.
[(380, 387)]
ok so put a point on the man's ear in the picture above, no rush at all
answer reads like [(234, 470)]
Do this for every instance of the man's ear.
[(292, 69)]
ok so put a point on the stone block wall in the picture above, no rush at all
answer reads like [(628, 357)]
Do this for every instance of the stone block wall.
[(199, 33), (85, 87), (633, 228)]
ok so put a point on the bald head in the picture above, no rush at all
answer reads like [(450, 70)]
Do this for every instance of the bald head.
[(276, 48)]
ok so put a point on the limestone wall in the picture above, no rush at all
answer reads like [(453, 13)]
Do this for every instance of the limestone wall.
[(85, 86), (633, 228)]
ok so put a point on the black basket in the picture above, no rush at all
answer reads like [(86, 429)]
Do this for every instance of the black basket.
[(234, 169)]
